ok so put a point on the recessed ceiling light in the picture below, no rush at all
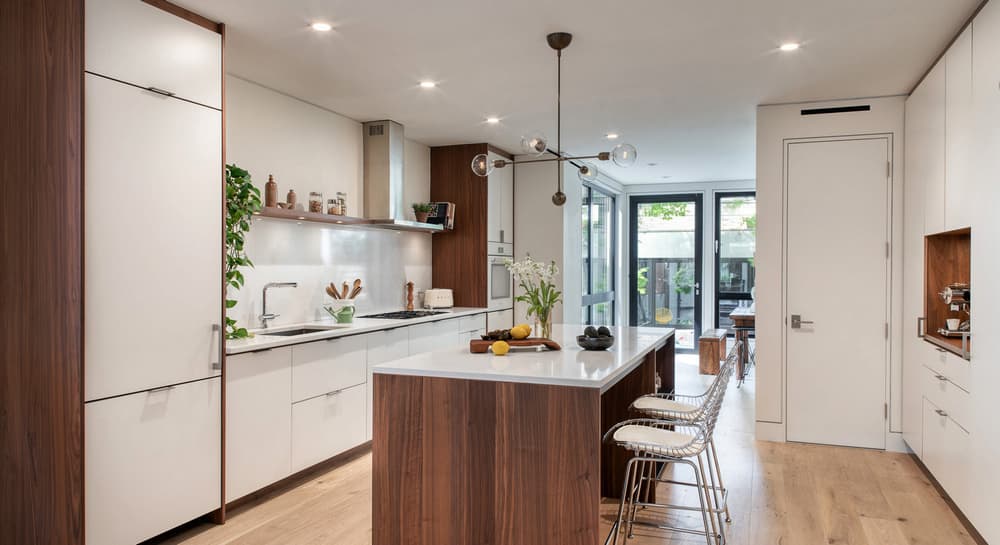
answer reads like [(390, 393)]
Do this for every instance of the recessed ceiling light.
[(651, 164), (611, 135), (492, 120), (322, 27), (789, 46), (427, 84)]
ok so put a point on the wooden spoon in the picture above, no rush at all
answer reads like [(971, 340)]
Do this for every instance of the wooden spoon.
[(345, 292), (332, 292)]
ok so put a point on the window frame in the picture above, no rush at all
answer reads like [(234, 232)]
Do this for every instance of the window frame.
[(588, 299)]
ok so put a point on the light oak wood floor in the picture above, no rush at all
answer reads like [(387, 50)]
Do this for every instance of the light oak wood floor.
[(780, 494)]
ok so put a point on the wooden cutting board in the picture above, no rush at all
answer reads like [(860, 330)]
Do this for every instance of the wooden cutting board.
[(479, 346)]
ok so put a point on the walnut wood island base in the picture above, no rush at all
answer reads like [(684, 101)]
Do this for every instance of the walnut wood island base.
[(480, 449)]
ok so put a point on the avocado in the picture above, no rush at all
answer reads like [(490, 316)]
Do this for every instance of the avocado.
[(603, 331), (590, 331)]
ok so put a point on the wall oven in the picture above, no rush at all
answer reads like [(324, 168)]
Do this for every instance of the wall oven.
[(499, 281)]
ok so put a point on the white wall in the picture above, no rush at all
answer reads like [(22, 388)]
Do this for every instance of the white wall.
[(309, 148), (775, 124), (547, 232)]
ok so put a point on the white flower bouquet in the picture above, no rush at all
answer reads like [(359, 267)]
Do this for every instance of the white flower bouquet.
[(537, 279)]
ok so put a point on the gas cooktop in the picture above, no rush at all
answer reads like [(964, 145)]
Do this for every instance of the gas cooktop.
[(403, 314)]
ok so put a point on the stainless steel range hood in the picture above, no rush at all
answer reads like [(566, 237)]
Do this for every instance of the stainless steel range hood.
[(384, 177)]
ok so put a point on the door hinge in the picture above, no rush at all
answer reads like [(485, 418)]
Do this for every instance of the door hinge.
[(888, 169), (886, 411), (887, 330), (888, 250)]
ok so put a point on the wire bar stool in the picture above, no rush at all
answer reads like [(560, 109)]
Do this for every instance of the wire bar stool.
[(680, 434)]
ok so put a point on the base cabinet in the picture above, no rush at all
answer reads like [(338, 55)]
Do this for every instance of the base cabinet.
[(327, 425), (258, 420), (153, 461), (946, 452), (500, 319)]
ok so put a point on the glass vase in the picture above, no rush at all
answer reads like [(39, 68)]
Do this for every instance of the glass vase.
[(545, 323)]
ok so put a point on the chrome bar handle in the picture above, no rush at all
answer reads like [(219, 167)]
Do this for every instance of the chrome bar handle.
[(921, 327), (940, 412), (159, 91), (217, 347)]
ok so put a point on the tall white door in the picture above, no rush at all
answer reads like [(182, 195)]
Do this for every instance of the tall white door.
[(837, 225)]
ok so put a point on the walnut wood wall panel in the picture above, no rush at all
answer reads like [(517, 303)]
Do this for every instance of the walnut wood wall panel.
[(459, 256), (614, 409), (461, 461), (41, 392), (665, 360)]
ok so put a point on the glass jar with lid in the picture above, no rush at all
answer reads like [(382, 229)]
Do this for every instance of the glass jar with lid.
[(316, 202)]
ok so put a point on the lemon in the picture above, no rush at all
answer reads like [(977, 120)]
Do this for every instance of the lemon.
[(525, 327), (501, 348), (519, 332)]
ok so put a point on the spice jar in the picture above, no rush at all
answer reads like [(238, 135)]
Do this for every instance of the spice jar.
[(342, 197), (291, 198), (333, 207), (316, 202)]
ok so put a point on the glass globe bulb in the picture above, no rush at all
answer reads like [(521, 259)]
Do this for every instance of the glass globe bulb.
[(624, 155), (587, 172), (481, 165), (534, 143)]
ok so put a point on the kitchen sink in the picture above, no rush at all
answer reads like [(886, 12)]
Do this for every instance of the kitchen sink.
[(297, 331)]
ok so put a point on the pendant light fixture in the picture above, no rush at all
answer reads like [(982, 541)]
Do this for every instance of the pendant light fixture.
[(535, 143)]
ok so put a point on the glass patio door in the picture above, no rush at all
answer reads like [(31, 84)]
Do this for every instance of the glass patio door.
[(665, 272), (735, 244)]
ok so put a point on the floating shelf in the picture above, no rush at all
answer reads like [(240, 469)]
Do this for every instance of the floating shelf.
[(331, 219)]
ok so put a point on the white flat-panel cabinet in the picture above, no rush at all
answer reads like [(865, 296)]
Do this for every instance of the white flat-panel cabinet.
[(258, 420), (500, 319), (431, 336), (915, 350), (153, 461), (930, 115), (134, 42), (959, 137), (325, 366), (327, 425), (154, 239), (383, 346), (985, 371), (500, 203)]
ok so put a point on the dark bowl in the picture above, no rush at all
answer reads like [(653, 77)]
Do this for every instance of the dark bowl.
[(594, 343)]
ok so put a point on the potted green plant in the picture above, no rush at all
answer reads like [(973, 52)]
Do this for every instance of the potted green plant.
[(242, 200), (422, 210)]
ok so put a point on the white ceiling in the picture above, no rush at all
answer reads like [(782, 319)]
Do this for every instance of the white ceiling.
[(679, 79)]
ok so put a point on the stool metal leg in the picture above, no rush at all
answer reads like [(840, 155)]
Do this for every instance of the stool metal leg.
[(702, 477), (718, 473), (626, 489)]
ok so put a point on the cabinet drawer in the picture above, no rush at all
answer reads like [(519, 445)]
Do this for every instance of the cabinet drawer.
[(956, 368), (327, 425), (134, 42), (439, 335), (153, 461), (258, 420), (388, 345), (475, 323), (943, 393), (501, 319), (325, 366), (947, 454)]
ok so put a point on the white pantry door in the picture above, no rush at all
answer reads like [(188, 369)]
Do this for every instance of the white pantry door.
[(836, 282)]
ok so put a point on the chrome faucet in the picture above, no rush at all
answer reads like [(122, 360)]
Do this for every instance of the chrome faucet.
[(265, 315)]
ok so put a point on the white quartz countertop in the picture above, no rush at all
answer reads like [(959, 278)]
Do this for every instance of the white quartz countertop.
[(571, 366), (260, 341)]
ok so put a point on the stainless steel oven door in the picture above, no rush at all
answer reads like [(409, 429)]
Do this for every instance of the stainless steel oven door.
[(499, 284)]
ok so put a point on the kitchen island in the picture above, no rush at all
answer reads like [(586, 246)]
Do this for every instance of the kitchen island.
[(477, 448)]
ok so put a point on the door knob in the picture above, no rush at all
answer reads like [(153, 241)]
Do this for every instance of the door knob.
[(798, 322)]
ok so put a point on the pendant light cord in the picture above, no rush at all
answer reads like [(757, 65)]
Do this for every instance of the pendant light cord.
[(559, 179)]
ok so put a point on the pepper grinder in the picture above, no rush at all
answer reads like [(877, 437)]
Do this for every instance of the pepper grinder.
[(409, 296)]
